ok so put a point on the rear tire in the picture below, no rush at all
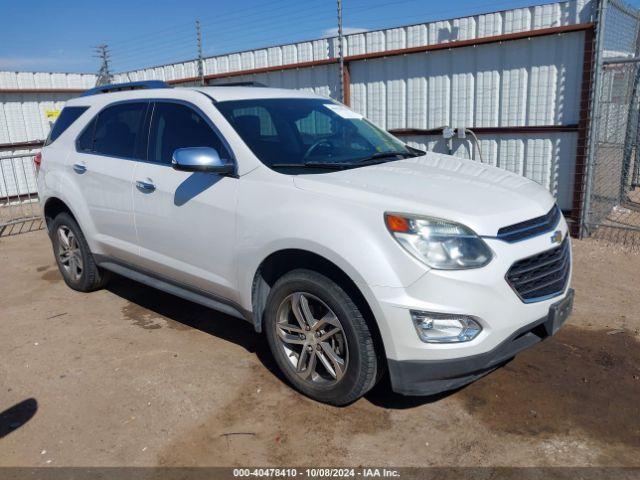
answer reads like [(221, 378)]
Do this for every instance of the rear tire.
[(320, 339), (73, 256)]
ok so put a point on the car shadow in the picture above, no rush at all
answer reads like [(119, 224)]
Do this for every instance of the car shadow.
[(383, 396), (194, 185), (15, 417), (181, 314)]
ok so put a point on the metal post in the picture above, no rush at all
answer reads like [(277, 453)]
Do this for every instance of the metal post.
[(104, 74), (200, 58), (340, 51), (595, 117)]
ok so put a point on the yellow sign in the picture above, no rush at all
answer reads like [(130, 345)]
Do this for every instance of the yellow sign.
[(52, 115)]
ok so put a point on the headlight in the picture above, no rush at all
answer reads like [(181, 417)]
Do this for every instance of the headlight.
[(440, 244)]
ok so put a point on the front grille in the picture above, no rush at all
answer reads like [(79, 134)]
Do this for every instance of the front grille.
[(541, 276), (530, 228)]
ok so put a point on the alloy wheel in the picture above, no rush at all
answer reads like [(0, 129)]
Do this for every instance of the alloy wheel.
[(312, 339), (69, 252)]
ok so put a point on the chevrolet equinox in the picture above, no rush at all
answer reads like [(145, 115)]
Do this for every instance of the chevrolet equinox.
[(356, 254)]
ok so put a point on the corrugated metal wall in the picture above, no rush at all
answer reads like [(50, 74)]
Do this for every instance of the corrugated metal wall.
[(548, 159), (24, 99), (22, 114), (523, 83), (529, 82), (478, 26), (533, 82)]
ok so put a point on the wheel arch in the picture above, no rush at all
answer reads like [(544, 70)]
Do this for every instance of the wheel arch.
[(53, 206), (283, 261)]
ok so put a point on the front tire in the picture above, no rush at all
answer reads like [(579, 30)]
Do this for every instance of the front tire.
[(73, 256), (320, 338)]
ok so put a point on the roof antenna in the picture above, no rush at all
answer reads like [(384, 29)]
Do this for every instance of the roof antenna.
[(104, 74)]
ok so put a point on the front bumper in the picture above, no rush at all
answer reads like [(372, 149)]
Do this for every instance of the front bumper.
[(428, 377)]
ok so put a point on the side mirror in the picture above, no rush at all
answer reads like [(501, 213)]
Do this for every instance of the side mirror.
[(200, 159)]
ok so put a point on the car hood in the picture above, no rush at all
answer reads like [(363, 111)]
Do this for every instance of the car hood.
[(482, 197)]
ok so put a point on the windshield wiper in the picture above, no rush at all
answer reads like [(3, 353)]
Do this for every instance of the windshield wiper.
[(329, 165), (379, 157)]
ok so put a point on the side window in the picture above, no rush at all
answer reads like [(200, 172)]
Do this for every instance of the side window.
[(84, 143), (64, 121), (119, 130), (174, 126)]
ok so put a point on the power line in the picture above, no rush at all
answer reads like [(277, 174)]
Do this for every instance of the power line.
[(255, 25), (242, 15), (158, 49)]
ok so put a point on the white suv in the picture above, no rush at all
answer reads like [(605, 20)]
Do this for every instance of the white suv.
[(355, 253)]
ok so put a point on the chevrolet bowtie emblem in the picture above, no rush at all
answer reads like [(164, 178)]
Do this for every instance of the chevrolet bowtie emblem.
[(556, 237)]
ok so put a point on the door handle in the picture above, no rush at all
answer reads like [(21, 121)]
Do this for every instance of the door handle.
[(79, 168), (145, 186)]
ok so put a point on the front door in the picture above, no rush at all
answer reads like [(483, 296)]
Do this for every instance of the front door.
[(185, 220)]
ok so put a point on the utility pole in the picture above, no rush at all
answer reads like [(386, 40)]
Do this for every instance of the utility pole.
[(200, 58), (104, 74), (340, 51)]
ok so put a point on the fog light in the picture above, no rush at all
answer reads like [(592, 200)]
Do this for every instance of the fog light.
[(445, 328)]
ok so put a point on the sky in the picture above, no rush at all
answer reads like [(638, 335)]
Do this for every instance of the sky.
[(60, 35)]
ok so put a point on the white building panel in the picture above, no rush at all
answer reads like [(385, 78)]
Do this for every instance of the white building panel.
[(517, 20), (439, 32), (247, 60), (511, 84), (320, 49), (305, 52), (375, 41), (356, 44), (22, 116), (396, 38), (417, 35), (289, 54), (489, 25), (261, 59), (464, 28), (234, 63), (547, 16), (322, 79)]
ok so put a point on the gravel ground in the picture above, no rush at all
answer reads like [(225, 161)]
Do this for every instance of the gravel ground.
[(132, 376)]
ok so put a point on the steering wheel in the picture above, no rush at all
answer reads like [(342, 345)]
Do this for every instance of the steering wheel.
[(322, 141)]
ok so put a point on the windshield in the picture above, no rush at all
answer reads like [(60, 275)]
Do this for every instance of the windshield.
[(286, 133)]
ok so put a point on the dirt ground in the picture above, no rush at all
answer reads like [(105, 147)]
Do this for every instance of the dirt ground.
[(132, 376)]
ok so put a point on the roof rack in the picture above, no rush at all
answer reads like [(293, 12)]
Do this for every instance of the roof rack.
[(239, 84), (121, 87)]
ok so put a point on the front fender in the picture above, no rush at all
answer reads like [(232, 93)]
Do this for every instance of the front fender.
[(353, 237)]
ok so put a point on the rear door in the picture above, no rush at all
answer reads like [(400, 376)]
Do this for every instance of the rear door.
[(104, 163), (185, 220)]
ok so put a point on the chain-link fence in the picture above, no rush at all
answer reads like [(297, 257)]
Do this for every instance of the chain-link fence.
[(612, 205), (19, 207)]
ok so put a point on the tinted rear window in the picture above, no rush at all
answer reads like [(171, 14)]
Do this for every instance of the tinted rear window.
[(118, 131), (64, 121)]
